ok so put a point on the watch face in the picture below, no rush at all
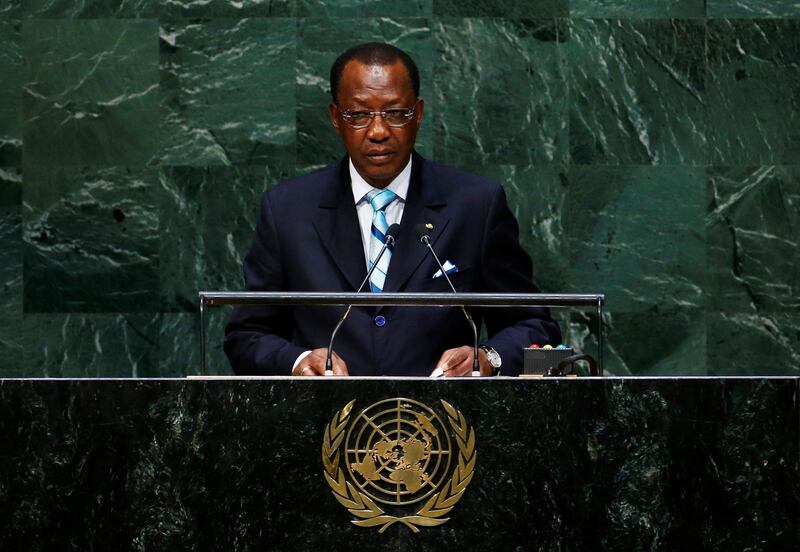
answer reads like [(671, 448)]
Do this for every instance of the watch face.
[(493, 358)]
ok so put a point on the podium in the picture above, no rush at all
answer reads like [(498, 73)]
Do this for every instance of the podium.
[(559, 464), (377, 463)]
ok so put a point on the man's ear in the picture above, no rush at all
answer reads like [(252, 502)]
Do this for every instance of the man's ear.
[(332, 110), (420, 111)]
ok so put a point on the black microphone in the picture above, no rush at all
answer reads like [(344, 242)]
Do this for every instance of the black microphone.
[(422, 234), (389, 240)]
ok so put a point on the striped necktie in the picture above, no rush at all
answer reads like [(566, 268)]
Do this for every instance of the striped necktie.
[(379, 200)]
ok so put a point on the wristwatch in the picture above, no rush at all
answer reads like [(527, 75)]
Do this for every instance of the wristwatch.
[(494, 359)]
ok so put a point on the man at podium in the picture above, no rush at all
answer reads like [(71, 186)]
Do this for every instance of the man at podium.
[(324, 230)]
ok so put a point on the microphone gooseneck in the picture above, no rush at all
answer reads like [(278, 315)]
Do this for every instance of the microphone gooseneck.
[(422, 234), (389, 240)]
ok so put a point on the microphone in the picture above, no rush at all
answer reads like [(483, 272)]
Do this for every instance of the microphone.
[(422, 234), (388, 241)]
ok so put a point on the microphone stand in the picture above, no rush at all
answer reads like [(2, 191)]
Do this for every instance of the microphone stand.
[(389, 242), (476, 367)]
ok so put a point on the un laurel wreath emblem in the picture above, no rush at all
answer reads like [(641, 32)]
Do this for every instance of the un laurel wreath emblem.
[(396, 456)]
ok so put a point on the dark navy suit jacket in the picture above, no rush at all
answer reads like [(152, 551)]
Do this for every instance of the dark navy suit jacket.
[(308, 239)]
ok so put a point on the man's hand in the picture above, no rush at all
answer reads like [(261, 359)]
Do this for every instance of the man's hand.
[(314, 364), (458, 362)]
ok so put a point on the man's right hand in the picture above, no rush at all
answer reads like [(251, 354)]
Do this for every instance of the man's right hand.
[(314, 364)]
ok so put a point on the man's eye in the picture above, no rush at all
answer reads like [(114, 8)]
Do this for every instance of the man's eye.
[(396, 115), (358, 116)]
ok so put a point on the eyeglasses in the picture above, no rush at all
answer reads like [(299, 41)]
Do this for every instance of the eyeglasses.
[(397, 117)]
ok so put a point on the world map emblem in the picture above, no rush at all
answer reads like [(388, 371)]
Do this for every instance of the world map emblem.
[(398, 461)]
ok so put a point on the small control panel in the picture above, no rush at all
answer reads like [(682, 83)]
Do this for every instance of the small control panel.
[(540, 360)]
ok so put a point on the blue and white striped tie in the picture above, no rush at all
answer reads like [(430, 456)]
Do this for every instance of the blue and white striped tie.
[(379, 200)]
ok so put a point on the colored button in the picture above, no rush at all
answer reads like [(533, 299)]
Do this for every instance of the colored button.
[(534, 346), (562, 346), (380, 321), (547, 347)]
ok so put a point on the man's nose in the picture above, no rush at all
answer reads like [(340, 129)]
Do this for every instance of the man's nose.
[(378, 130)]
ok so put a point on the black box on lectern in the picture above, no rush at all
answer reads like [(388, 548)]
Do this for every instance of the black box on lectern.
[(538, 362)]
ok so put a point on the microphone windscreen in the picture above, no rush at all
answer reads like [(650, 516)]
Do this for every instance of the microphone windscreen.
[(392, 231), (421, 231)]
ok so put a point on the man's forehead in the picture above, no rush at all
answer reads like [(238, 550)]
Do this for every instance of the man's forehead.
[(360, 78)]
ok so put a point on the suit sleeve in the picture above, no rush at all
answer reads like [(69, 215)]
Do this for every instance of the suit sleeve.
[(507, 268), (258, 339)]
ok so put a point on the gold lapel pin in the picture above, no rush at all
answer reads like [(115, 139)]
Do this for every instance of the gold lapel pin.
[(429, 226)]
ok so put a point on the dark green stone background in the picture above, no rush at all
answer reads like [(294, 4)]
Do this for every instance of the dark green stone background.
[(650, 149)]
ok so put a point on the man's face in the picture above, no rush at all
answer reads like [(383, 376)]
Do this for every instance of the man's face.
[(379, 151)]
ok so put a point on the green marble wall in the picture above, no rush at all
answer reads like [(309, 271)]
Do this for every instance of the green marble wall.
[(650, 149)]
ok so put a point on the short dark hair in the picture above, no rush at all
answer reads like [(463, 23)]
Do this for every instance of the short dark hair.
[(373, 53)]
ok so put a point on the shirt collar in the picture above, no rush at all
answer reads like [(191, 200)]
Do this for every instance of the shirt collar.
[(399, 185)]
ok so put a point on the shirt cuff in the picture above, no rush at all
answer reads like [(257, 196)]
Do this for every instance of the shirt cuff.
[(303, 355)]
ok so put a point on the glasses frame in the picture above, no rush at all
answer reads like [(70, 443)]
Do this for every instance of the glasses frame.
[(347, 113)]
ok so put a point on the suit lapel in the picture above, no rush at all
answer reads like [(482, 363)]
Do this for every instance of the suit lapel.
[(337, 226), (421, 207)]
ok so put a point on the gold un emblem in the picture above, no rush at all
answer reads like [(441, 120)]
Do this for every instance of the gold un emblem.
[(395, 462)]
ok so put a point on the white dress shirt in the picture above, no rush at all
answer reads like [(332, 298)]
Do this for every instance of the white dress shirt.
[(393, 211)]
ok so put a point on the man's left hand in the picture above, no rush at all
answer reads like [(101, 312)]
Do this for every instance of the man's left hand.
[(458, 362)]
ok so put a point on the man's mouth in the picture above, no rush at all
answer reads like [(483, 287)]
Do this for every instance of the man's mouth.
[(380, 156)]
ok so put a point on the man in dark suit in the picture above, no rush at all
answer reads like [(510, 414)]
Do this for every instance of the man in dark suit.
[(321, 232)]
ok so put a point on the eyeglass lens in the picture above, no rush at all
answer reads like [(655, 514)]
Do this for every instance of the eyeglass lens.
[(393, 117)]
